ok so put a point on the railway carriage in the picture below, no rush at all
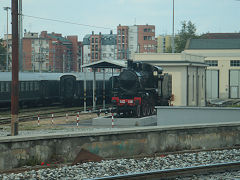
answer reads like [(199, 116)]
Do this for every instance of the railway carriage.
[(34, 88), (49, 88)]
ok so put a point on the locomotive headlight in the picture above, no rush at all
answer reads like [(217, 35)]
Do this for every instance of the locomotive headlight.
[(155, 73)]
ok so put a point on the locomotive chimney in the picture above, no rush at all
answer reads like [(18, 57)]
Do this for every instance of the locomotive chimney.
[(130, 63)]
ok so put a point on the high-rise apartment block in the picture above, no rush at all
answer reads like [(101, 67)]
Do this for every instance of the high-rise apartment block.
[(135, 39), (35, 52), (99, 46)]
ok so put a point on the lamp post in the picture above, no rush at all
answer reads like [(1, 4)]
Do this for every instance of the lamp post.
[(173, 44), (6, 9)]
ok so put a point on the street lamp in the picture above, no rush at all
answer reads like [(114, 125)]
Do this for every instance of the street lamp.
[(173, 45), (6, 9)]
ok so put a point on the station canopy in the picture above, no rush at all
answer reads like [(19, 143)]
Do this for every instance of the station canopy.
[(114, 64)]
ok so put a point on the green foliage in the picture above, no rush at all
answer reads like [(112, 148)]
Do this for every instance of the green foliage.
[(3, 51), (188, 31), (168, 49)]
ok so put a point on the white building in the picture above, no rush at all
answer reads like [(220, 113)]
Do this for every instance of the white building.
[(98, 47), (188, 75), (223, 72)]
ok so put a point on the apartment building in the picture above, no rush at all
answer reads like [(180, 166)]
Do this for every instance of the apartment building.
[(135, 39), (35, 52), (61, 52), (99, 46), (164, 43)]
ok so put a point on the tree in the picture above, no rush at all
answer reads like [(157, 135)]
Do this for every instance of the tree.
[(3, 52), (168, 49), (188, 31)]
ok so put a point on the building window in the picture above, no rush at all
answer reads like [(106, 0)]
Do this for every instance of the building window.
[(193, 90), (235, 63), (145, 37), (145, 30), (212, 62)]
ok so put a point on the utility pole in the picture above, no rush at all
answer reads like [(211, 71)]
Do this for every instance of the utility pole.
[(20, 37), (173, 44), (15, 69), (6, 9)]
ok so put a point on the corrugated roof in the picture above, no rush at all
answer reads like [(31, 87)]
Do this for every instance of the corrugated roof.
[(107, 64), (213, 44), (221, 36), (36, 76)]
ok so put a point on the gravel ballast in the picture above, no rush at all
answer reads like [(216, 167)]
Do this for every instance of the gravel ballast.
[(125, 166)]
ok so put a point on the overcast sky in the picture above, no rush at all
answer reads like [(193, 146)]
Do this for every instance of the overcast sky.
[(207, 15)]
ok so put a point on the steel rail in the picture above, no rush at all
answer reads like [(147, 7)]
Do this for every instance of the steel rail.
[(57, 114), (177, 172)]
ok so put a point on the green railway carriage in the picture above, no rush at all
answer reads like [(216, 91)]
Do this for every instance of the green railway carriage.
[(48, 88)]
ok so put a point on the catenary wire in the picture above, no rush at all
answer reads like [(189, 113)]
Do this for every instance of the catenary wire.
[(67, 22)]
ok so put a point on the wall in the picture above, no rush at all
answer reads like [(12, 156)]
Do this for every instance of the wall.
[(158, 56), (20, 151), (196, 86), (196, 115), (132, 40), (179, 84)]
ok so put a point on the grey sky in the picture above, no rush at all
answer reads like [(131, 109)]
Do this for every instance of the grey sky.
[(207, 15)]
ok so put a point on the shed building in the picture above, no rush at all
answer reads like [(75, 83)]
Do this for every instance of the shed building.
[(188, 76), (223, 71)]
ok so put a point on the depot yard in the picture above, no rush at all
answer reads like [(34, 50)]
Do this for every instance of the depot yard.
[(59, 123)]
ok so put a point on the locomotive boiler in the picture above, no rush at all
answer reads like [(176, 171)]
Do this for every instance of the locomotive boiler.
[(139, 88)]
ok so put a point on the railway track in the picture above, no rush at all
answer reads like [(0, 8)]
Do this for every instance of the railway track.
[(178, 172), (45, 113)]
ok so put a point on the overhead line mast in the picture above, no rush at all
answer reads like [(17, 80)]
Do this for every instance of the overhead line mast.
[(15, 69)]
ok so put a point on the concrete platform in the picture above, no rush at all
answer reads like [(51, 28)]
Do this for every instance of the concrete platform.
[(107, 121)]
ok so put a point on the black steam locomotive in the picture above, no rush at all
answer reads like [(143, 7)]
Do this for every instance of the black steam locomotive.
[(139, 88)]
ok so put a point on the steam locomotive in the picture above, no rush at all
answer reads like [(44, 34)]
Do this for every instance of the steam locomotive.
[(139, 88)]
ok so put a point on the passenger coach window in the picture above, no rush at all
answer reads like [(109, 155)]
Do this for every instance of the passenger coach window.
[(22, 86), (2, 87), (27, 86), (36, 86), (31, 86), (7, 87)]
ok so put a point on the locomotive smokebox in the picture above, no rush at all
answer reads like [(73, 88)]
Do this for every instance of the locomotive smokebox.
[(128, 80)]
